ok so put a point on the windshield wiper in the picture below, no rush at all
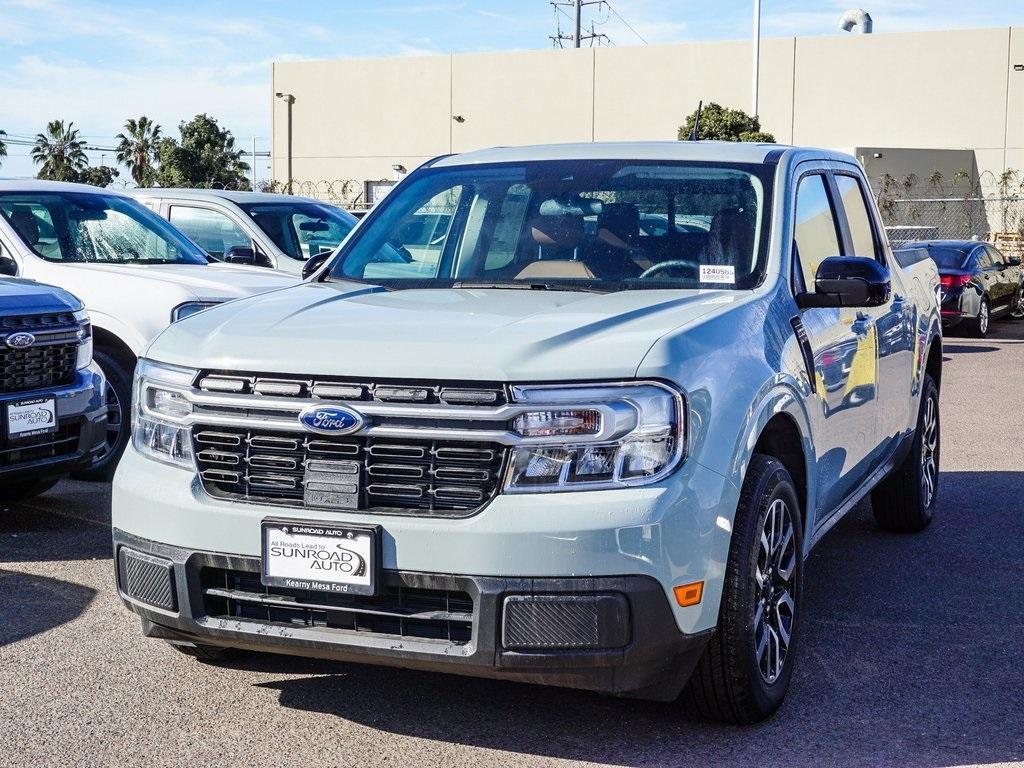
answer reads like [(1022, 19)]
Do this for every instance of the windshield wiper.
[(532, 285)]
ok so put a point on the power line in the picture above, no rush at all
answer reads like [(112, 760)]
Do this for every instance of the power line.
[(578, 36), (628, 25)]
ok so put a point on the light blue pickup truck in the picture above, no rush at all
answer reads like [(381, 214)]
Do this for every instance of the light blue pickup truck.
[(544, 443)]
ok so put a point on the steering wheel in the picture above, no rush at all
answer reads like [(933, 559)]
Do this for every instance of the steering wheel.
[(671, 264)]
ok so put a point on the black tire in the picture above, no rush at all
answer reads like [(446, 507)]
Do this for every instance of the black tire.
[(978, 326), (119, 372), (1017, 305), (26, 489), (208, 654), (729, 683), (904, 502)]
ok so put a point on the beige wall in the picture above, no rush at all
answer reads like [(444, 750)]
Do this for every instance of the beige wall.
[(355, 118)]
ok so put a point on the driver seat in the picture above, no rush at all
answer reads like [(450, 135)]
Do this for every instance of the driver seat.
[(731, 240), (25, 224)]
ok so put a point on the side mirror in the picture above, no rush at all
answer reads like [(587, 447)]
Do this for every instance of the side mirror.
[(1013, 261), (314, 263), (240, 254), (8, 266), (848, 281)]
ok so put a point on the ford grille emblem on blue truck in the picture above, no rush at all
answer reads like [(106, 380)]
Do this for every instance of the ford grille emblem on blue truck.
[(20, 340), (330, 419)]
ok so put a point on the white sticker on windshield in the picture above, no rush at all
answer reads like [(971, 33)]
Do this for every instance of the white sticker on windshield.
[(715, 273)]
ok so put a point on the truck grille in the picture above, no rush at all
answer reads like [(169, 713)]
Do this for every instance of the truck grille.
[(394, 476), (50, 362), (400, 611), (353, 391)]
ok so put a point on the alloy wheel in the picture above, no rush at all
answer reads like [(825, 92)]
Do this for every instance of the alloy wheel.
[(114, 422), (983, 318), (775, 575), (1018, 305), (929, 450)]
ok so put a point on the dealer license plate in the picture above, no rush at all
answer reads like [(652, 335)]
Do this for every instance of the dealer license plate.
[(26, 418), (320, 556)]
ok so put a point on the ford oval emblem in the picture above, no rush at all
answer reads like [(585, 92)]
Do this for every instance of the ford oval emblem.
[(330, 419), (20, 340)]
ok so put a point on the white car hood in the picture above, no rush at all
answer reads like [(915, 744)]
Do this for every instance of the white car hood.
[(346, 329), (199, 281)]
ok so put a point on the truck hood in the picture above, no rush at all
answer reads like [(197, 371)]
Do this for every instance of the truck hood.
[(199, 281), (346, 329), (25, 296)]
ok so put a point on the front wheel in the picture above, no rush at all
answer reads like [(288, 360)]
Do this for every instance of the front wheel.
[(905, 501), (745, 670), (119, 399)]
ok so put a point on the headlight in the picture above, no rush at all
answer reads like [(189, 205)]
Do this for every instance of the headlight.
[(159, 410), (84, 340), (190, 308), (596, 436)]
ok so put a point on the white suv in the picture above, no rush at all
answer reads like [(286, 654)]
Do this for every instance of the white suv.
[(278, 231), (134, 272)]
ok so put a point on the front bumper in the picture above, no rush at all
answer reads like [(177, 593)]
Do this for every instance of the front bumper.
[(611, 634), (82, 425)]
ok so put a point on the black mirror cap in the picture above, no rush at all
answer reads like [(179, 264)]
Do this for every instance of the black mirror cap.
[(1013, 261), (8, 266), (849, 281), (240, 254), (313, 263)]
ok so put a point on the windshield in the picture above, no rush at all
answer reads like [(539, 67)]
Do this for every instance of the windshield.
[(591, 225), (301, 230), (95, 227)]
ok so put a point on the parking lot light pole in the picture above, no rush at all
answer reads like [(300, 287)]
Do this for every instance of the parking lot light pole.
[(288, 99)]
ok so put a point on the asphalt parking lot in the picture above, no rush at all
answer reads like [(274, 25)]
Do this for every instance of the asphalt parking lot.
[(911, 649)]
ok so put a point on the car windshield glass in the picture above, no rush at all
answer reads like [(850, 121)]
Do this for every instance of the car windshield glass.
[(948, 258), (568, 225), (301, 230), (95, 227)]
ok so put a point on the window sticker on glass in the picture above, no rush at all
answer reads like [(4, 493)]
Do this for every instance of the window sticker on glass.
[(718, 273)]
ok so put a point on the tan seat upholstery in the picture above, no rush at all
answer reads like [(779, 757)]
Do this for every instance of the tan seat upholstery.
[(558, 268)]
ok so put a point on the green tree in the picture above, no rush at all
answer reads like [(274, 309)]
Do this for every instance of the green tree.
[(3, 146), (98, 175), (60, 152), (137, 148), (719, 123), (204, 157)]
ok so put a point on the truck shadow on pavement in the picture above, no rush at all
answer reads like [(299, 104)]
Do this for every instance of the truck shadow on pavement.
[(910, 654), (70, 522), (43, 603)]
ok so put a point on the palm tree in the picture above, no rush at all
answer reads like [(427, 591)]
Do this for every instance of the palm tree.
[(3, 146), (60, 152), (138, 149)]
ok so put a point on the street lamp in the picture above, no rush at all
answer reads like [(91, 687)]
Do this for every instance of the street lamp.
[(756, 57), (288, 99)]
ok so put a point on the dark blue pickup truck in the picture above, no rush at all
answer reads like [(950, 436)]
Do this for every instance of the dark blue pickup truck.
[(53, 413)]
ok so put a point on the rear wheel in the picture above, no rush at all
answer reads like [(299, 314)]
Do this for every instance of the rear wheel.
[(905, 501), (745, 670), (979, 325), (1017, 305), (26, 489), (119, 397)]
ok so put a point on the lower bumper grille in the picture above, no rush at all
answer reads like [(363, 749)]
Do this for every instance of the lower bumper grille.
[(397, 611), (424, 476), (63, 442)]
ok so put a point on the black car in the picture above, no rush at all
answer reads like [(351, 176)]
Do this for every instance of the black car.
[(977, 281)]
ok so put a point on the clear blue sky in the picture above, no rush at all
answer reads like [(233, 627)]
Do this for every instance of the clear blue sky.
[(98, 62)]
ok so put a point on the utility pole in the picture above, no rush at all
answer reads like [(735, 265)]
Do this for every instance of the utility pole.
[(757, 57), (577, 37)]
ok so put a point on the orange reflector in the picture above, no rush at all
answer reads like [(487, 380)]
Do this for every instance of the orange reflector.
[(689, 594)]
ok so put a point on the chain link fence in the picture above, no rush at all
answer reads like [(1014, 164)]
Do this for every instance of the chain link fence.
[(952, 218)]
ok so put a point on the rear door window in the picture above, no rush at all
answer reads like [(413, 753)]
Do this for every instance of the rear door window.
[(212, 230), (862, 231)]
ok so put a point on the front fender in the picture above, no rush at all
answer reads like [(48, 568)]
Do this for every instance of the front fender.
[(131, 337)]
